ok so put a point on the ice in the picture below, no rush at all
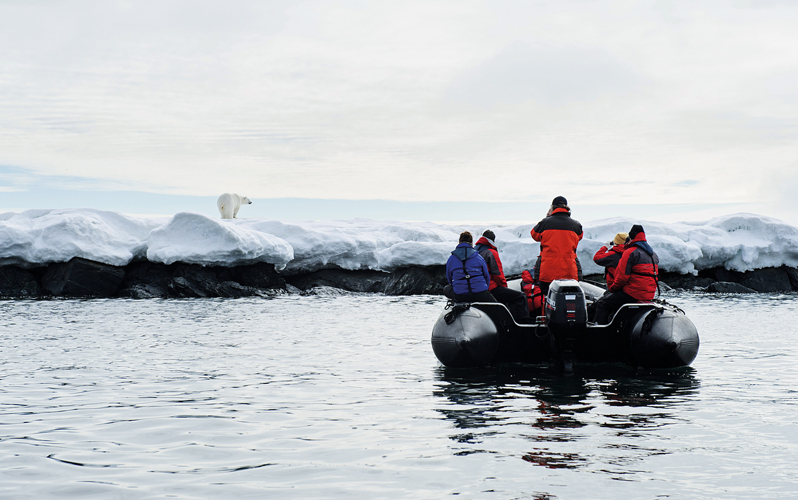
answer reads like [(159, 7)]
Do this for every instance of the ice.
[(199, 239), (739, 242)]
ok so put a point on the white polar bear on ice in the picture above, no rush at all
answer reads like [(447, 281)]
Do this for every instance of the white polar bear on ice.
[(229, 203)]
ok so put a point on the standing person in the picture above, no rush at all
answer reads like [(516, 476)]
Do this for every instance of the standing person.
[(514, 300), (559, 236), (609, 257), (635, 277), (467, 273)]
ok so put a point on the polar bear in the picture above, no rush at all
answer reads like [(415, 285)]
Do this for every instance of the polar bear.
[(229, 203)]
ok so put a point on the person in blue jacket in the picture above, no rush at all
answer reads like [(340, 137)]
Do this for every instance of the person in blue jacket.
[(467, 273)]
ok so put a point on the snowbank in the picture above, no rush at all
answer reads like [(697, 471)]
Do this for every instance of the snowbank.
[(739, 242)]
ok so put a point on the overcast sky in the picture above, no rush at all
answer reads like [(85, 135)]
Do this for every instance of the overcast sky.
[(604, 102)]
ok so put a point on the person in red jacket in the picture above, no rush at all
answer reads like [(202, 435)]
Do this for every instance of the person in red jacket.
[(533, 296), (609, 257), (513, 299), (635, 277), (559, 236)]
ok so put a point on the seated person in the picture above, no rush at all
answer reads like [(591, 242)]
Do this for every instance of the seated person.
[(532, 292), (513, 299), (635, 277), (609, 257), (467, 273)]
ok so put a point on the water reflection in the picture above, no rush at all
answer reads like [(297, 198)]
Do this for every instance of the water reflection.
[(603, 414)]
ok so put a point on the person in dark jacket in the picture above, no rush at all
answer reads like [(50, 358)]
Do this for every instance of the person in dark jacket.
[(513, 299), (559, 236), (635, 277), (608, 256), (467, 273)]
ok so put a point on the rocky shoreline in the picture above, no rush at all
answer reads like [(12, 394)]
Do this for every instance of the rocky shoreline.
[(81, 278)]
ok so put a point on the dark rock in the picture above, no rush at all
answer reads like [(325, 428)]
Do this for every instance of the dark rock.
[(792, 274), (728, 287), (16, 282), (353, 281), (416, 281), (722, 274), (684, 281), (149, 280), (234, 290), (143, 291), (767, 280), (146, 280), (82, 278), (185, 288), (260, 275), (761, 280), (192, 280)]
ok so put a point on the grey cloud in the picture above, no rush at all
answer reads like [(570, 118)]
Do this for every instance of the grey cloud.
[(547, 74)]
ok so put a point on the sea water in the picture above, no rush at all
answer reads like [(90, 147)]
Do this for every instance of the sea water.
[(340, 396)]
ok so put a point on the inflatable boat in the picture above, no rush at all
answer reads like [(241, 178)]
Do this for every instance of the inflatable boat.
[(644, 335)]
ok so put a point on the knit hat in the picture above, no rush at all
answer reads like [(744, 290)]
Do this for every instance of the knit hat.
[(620, 238), (636, 229), (559, 201), (489, 235)]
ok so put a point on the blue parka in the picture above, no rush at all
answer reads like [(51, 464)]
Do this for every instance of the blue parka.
[(475, 266)]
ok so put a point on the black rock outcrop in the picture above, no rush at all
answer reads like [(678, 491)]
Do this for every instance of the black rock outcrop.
[(82, 278), (416, 281), (353, 281), (16, 282), (773, 279), (728, 287), (85, 278), (685, 281)]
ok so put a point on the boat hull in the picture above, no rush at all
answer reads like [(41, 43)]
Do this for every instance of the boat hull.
[(647, 335)]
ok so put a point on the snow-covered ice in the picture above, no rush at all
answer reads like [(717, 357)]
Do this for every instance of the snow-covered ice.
[(739, 242)]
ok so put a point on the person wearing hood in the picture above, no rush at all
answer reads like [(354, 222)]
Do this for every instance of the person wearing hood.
[(636, 277), (558, 235), (513, 299), (608, 256), (467, 273)]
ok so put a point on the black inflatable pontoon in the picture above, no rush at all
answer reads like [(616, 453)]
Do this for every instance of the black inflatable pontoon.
[(644, 335)]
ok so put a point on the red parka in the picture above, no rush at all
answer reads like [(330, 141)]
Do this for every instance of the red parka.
[(636, 274), (609, 258), (490, 253), (559, 236)]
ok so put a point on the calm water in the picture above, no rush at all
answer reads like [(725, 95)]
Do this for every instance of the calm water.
[(342, 397)]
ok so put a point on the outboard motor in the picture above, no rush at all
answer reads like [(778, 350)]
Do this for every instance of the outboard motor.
[(566, 316), (464, 337)]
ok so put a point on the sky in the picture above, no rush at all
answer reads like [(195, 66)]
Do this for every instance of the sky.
[(431, 110)]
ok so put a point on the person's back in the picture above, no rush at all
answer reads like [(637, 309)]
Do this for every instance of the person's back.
[(486, 248), (467, 273), (635, 277), (559, 236), (513, 299), (638, 269)]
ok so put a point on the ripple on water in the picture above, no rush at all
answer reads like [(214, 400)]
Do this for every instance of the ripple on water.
[(340, 396)]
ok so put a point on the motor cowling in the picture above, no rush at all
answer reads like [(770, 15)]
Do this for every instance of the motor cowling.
[(565, 303), (566, 317)]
